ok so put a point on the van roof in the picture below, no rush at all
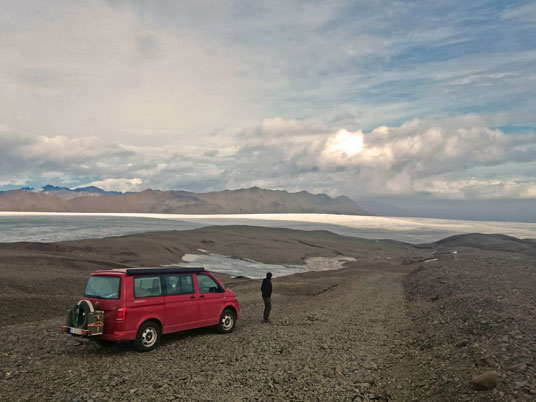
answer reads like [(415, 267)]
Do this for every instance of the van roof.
[(152, 270)]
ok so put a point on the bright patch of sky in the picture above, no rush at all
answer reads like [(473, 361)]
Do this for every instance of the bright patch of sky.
[(431, 98)]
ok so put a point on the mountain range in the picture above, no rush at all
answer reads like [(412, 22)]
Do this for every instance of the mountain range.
[(244, 201)]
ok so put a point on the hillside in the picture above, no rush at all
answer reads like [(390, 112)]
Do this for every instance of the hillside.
[(20, 200), (243, 201), (496, 242)]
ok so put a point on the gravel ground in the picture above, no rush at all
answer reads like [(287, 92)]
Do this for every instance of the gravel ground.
[(470, 313), (325, 346), (388, 327)]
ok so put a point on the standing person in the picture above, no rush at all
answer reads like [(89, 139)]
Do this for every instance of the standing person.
[(266, 289)]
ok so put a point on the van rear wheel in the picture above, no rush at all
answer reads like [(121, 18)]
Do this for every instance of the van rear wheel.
[(227, 321), (148, 336), (80, 314)]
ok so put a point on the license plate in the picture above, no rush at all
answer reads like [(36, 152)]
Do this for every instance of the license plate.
[(76, 331)]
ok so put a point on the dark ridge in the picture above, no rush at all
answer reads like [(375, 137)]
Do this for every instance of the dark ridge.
[(492, 242)]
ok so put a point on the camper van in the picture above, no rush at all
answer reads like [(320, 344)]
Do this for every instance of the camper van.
[(142, 304)]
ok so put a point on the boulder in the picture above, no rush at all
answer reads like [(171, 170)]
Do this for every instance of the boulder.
[(487, 380)]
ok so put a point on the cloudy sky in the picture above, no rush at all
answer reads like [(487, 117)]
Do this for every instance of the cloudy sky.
[(415, 99)]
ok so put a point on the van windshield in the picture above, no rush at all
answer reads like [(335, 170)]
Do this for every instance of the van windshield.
[(103, 287)]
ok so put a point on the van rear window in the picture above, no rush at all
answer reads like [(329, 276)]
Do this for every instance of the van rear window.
[(103, 287)]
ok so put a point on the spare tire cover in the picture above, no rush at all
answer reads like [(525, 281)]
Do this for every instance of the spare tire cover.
[(81, 312)]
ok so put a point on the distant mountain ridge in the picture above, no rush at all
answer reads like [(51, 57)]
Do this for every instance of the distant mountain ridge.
[(87, 190), (244, 201)]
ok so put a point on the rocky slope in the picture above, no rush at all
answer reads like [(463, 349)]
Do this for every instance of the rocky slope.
[(19, 200), (244, 201), (471, 312)]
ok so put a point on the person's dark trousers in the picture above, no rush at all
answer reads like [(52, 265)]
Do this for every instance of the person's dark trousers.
[(267, 307)]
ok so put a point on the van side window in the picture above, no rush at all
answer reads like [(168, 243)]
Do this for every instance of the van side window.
[(207, 284), (147, 286), (187, 284), (180, 284)]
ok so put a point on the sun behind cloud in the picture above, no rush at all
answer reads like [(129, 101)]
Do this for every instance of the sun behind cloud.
[(345, 144)]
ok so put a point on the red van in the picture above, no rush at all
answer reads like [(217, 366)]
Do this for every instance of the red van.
[(141, 304)]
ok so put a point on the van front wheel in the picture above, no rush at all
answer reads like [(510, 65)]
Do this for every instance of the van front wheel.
[(148, 336), (227, 322)]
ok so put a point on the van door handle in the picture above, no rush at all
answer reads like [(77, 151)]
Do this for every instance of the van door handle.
[(202, 296), (192, 297)]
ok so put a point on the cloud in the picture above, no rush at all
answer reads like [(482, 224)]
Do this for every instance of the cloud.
[(343, 147), (524, 13), (100, 70), (182, 71), (64, 149), (204, 96), (391, 160), (417, 157), (422, 147), (478, 188), (120, 184), (85, 161), (278, 126), (60, 158)]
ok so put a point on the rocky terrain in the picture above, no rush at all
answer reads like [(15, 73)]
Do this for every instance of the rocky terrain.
[(401, 323), (472, 312)]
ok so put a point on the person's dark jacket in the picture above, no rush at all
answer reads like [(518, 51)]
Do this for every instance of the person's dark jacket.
[(266, 287)]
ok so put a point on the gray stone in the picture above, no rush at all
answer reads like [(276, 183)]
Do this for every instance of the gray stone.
[(520, 384), (482, 361), (518, 368)]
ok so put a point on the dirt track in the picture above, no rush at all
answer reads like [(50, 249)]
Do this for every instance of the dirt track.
[(325, 347), (381, 329)]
